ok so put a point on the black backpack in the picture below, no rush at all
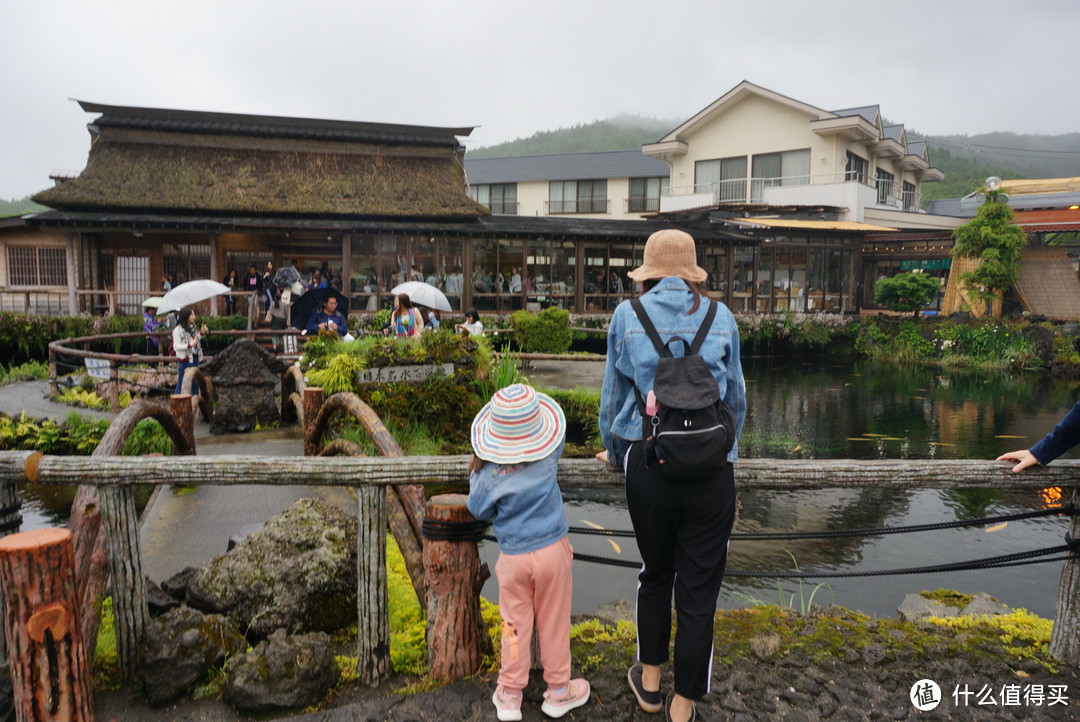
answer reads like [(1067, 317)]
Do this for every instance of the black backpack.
[(692, 430)]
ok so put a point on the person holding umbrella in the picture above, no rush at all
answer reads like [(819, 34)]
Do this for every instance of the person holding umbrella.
[(187, 343), (405, 321), (328, 318)]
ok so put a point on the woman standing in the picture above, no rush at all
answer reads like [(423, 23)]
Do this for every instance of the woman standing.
[(682, 525), (187, 343), (233, 282), (405, 321)]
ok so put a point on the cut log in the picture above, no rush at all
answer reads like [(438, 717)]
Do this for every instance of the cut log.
[(1065, 636), (50, 671), (457, 638)]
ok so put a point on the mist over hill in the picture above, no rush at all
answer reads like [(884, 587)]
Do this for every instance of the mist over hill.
[(966, 161)]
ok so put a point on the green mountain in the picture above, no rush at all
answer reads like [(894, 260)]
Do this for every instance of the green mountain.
[(966, 161), (622, 132), (19, 207)]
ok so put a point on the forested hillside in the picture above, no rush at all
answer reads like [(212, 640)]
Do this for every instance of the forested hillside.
[(966, 161), (18, 208)]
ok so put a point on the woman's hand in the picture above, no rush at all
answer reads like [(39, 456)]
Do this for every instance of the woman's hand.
[(204, 329), (1025, 457)]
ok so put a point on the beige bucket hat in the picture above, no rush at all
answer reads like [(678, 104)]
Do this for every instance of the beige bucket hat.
[(669, 252)]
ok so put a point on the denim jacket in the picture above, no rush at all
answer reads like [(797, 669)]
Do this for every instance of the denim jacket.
[(631, 359), (1064, 436), (522, 501)]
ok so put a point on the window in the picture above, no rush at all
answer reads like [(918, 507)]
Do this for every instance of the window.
[(645, 194), (499, 197), (886, 186), (911, 197), (584, 196), (37, 266), (775, 169), (856, 168), (725, 176)]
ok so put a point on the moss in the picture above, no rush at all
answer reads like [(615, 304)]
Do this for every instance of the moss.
[(948, 597)]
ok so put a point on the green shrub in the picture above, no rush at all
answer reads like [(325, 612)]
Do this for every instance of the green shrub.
[(544, 332)]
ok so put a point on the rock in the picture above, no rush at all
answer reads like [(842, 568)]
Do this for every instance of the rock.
[(764, 645), (176, 586), (179, 647), (873, 654), (916, 607), (984, 604), (244, 533), (281, 672), (298, 574), (157, 600), (615, 612)]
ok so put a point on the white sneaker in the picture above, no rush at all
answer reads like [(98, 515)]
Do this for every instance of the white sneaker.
[(507, 705), (577, 693)]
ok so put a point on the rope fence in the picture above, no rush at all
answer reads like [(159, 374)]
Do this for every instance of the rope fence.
[(995, 562)]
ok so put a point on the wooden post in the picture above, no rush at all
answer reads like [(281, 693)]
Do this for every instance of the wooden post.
[(457, 639), (1065, 636), (181, 410), (313, 401), (131, 614), (50, 672), (10, 522), (114, 388), (372, 603)]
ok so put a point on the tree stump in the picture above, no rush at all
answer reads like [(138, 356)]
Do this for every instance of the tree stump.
[(50, 672), (456, 636), (181, 410)]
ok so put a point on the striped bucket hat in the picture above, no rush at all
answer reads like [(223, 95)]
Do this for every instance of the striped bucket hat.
[(519, 424)]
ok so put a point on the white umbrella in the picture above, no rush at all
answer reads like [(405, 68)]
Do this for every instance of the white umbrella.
[(153, 302), (424, 294), (191, 292)]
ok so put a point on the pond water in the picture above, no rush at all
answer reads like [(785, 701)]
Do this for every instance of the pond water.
[(828, 410), (813, 408)]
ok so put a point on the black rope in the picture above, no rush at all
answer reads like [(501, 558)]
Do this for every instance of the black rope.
[(11, 524), (878, 531), (454, 530), (998, 562)]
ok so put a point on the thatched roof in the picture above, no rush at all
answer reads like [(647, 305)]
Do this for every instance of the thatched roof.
[(236, 180), (1047, 285), (145, 159)]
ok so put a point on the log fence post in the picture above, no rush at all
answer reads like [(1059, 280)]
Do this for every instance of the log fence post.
[(131, 613), (313, 401), (50, 670), (181, 409), (10, 522), (53, 380), (1065, 636), (456, 635), (372, 602)]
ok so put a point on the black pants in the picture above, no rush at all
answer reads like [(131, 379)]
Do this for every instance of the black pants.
[(682, 531)]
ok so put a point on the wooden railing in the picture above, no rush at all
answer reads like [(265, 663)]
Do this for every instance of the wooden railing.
[(369, 476)]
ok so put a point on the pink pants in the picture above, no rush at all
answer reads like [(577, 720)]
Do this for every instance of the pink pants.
[(537, 585)]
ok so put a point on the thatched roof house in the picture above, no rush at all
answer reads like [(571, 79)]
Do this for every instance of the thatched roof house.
[(182, 161)]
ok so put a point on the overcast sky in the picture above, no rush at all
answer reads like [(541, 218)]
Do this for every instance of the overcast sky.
[(514, 68)]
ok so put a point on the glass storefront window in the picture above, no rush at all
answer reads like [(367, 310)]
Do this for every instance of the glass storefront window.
[(511, 259), (451, 271), (621, 263), (364, 283), (537, 280), (563, 260), (485, 274), (597, 283), (743, 280)]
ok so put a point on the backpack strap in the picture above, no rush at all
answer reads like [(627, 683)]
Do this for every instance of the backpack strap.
[(661, 347)]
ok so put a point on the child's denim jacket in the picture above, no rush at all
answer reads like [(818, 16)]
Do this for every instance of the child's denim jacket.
[(522, 501), (631, 359)]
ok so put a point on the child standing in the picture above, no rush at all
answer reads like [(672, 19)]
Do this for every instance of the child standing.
[(517, 439)]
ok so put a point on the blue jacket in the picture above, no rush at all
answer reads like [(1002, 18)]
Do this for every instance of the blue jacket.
[(522, 501), (1064, 436), (318, 317), (631, 359)]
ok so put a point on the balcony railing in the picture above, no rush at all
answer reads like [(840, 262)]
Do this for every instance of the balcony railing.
[(753, 190), (576, 206), (504, 208), (642, 205)]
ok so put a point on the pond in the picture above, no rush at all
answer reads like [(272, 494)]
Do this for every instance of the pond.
[(824, 409)]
